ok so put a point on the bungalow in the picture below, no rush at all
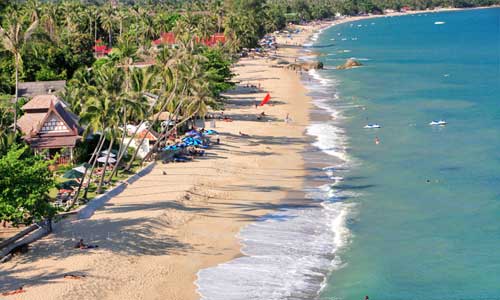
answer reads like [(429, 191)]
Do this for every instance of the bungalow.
[(168, 38), (47, 124)]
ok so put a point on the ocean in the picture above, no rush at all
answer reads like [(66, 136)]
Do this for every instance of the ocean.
[(413, 217)]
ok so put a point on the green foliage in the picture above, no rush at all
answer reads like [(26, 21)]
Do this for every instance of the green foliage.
[(217, 68), (23, 192)]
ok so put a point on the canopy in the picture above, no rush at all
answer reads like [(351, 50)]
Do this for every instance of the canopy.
[(103, 160), (105, 153), (72, 174), (81, 168), (67, 185)]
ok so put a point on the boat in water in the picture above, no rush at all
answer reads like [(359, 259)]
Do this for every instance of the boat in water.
[(372, 126), (439, 23), (438, 123)]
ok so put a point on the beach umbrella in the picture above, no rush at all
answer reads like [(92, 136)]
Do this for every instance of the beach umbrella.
[(67, 185), (105, 153), (102, 159), (81, 168), (72, 174)]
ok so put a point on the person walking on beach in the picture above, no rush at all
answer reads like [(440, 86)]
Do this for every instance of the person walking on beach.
[(287, 119)]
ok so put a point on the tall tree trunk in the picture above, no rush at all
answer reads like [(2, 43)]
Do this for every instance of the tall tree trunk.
[(121, 149), (91, 159), (99, 148), (101, 181), (95, 29), (16, 93)]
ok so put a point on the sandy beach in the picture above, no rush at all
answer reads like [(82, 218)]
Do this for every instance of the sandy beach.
[(155, 236)]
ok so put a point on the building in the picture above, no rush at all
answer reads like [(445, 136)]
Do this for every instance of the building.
[(48, 124), (31, 89), (168, 38)]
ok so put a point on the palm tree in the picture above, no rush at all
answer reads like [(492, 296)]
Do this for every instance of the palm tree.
[(107, 24), (101, 113), (13, 38), (143, 81), (49, 20)]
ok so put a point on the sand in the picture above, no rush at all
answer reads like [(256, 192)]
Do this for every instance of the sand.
[(155, 236)]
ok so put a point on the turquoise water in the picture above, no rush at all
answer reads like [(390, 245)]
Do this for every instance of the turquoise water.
[(428, 199)]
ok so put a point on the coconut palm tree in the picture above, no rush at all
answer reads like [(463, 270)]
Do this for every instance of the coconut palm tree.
[(101, 113), (13, 38), (48, 20), (107, 22), (140, 106)]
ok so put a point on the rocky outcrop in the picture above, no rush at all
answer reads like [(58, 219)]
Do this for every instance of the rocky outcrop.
[(350, 63)]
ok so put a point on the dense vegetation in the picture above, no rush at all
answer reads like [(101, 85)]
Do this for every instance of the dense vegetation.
[(23, 193), (53, 40)]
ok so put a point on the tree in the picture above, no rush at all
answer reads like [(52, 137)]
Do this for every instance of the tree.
[(7, 137), (102, 111), (13, 37), (24, 193), (217, 68)]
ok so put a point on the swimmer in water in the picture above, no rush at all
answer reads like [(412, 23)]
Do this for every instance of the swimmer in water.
[(377, 140)]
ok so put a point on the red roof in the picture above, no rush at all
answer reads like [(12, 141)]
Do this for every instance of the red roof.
[(169, 38), (101, 49)]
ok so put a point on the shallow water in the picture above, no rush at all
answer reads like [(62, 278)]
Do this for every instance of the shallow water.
[(415, 217), (427, 198)]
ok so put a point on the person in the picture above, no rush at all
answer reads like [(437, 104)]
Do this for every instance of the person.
[(367, 298), (164, 173), (243, 134), (377, 140), (14, 292), (82, 245), (218, 140), (287, 119)]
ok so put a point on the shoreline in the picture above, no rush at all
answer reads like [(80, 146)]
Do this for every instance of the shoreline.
[(161, 231)]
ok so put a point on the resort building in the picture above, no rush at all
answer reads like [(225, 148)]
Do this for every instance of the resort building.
[(47, 124), (32, 89), (168, 38)]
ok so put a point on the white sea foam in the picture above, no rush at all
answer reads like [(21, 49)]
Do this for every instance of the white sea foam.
[(289, 253), (329, 139)]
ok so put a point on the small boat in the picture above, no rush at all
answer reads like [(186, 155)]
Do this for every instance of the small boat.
[(372, 126), (439, 23), (438, 123)]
